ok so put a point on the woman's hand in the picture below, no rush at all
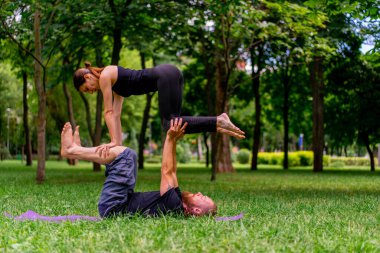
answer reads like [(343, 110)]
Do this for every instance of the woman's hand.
[(104, 149), (176, 130)]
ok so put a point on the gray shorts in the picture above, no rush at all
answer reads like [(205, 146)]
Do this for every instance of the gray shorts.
[(121, 178)]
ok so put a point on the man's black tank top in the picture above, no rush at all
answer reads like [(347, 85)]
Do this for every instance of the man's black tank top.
[(153, 204), (134, 82)]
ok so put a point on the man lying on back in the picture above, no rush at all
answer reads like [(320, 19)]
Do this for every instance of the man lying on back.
[(118, 196)]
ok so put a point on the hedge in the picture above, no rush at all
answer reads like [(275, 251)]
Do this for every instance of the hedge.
[(301, 158)]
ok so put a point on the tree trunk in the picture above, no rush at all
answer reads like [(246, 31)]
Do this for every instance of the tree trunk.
[(223, 161), (69, 105), (207, 149), (214, 148), (117, 44), (98, 127), (96, 138), (144, 125), (88, 116), (119, 14), (199, 148), (210, 71), (286, 123), (256, 91), (317, 86), (69, 100), (39, 80), (70, 112), (369, 150), (145, 120), (28, 143)]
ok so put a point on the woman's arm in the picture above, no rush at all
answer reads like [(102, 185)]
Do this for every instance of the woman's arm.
[(117, 106), (109, 113)]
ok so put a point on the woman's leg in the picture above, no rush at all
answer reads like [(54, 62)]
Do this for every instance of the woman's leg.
[(170, 89)]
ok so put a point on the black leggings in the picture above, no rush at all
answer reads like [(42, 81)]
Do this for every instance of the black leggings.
[(170, 89)]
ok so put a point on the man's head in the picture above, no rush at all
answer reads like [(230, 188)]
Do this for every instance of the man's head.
[(197, 204)]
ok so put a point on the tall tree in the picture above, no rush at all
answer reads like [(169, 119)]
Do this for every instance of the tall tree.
[(287, 51), (41, 45)]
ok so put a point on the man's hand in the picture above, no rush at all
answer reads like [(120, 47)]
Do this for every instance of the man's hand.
[(104, 149), (177, 130)]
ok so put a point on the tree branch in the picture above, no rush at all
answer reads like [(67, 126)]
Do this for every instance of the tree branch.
[(49, 22), (19, 44)]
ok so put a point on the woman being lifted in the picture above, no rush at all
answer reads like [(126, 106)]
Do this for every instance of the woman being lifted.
[(116, 82)]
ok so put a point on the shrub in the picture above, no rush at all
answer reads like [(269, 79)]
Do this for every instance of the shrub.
[(306, 158), (243, 156), (337, 164), (263, 158), (233, 157), (326, 160), (153, 159), (276, 158), (294, 159), (4, 153), (351, 161), (183, 153)]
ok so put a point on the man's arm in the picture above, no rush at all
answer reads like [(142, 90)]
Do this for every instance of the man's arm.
[(169, 164)]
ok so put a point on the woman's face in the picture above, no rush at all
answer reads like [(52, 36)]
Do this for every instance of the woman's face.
[(90, 85)]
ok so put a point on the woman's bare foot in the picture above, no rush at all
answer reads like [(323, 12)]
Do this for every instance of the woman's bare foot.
[(76, 137), (67, 140), (225, 126)]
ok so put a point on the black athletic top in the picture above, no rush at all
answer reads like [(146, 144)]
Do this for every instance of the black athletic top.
[(134, 82), (151, 203)]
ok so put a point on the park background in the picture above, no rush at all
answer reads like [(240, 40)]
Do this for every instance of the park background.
[(301, 78)]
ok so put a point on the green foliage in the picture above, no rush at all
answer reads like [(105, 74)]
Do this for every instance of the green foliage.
[(350, 161), (4, 153), (295, 159), (243, 156), (183, 152), (204, 32), (153, 159), (337, 164), (306, 158)]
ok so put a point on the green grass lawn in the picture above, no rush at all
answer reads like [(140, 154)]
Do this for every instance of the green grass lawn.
[(285, 211)]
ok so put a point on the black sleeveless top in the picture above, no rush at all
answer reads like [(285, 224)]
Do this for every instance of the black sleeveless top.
[(134, 82), (153, 204)]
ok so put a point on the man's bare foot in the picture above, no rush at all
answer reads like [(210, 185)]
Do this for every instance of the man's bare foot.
[(225, 126), (67, 140), (76, 137)]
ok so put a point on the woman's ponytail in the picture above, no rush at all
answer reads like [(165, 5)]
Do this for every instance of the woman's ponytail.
[(94, 70), (79, 74)]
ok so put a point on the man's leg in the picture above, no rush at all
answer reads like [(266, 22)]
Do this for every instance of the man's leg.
[(121, 170), (71, 148)]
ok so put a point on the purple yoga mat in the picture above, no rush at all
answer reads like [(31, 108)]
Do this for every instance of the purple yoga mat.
[(228, 218), (31, 215)]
